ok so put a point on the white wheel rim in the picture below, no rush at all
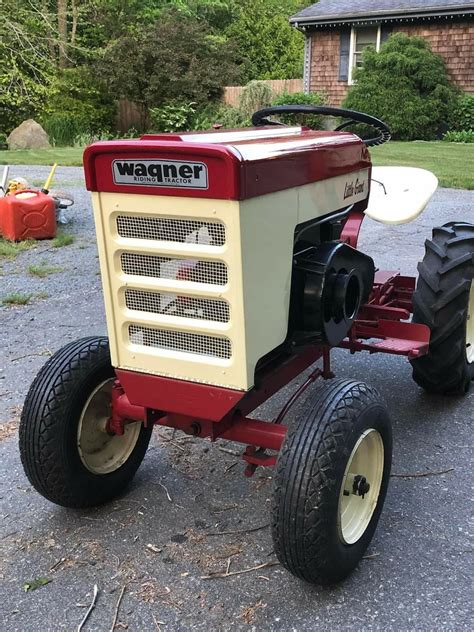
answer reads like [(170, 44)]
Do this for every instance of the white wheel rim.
[(470, 327), (100, 452), (355, 511)]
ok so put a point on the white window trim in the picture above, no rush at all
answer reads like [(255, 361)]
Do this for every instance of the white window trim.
[(350, 80)]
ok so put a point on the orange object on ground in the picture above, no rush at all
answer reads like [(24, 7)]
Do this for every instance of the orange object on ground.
[(27, 215)]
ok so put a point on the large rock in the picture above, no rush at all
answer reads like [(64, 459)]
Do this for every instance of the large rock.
[(28, 135)]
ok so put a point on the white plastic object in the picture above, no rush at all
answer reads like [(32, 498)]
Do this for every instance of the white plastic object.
[(398, 195)]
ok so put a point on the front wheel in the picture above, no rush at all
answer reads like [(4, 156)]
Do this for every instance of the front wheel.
[(330, 482), (66, 451)]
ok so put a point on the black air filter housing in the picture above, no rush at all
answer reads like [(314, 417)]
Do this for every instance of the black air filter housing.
[(330, 283)]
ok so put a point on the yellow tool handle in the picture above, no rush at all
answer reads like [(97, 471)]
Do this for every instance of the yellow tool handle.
[(47, 184)]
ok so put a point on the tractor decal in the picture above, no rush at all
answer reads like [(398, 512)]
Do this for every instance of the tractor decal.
[(192, 175)]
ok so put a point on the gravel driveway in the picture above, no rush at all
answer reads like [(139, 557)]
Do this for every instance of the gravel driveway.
[(161, 539)]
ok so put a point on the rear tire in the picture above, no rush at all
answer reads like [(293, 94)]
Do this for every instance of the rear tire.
[(444, 300), (322, 524), (66, 452)]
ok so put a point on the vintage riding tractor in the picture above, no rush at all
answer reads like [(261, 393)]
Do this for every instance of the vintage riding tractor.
[(229, 264)]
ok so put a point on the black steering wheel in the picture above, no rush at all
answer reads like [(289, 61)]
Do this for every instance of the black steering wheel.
[(260, 118)]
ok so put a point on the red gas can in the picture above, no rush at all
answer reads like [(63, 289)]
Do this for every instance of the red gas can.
[(27, 215)]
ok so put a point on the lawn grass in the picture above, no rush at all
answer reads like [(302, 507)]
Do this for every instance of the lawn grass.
[(16, 299), (64, 156), (63, 240), (43, 270), (452, 163), (10, 249)]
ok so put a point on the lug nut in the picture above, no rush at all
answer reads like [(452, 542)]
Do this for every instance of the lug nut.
[(360, 486)]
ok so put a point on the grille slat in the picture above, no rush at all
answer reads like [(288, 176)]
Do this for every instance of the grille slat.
[(171, 229), (193, 270), (177, 305), (183, 341)]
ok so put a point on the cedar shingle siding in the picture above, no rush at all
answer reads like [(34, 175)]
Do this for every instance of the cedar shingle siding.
[(454, 42), (324, 75), (448, 26)]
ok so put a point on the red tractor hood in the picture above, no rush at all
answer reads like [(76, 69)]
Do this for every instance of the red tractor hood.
[(230, 164)]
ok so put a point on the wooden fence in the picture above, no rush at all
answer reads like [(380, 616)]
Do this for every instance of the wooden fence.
[(232, 94), (130, 115)]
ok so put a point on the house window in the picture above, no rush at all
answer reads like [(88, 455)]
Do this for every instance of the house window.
[(361, 37)]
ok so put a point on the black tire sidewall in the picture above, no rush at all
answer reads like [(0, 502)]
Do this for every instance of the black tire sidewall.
[(309, 476), (50, 422)]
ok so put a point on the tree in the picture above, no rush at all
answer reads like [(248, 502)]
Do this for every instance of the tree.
[(407, 86), (178, 57), (269, 47), (26, 66)]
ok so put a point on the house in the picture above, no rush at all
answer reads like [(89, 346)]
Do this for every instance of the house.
[(337, 31)]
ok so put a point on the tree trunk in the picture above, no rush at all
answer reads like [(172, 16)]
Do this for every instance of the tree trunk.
[(74, 22), (62, 30)]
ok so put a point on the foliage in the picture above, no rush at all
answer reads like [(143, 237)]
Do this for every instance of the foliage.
[(269, 47), (62, 240), (462, 116), (77, 92), (177, 58), (34, 584), (460, 136), (26, 69), (301, 98), (174, 117), (10, 249), (255, 96), (20, 299), (405, 85), (219, 115), (86, 138), (43, 270), (62, 128), (77, 57)]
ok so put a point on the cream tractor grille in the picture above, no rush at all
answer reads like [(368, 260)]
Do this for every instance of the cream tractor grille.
[(173, 286), (199, 289), (190, 270)]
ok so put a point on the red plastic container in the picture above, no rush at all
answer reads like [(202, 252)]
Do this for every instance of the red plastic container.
[(27, 215)]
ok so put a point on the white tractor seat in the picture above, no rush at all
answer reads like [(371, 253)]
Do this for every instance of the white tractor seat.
[(398, 195)]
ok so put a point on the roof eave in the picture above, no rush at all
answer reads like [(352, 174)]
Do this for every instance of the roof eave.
[(380, 16)]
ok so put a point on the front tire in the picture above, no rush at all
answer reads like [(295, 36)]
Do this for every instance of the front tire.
[(330, 482), (444, 300), (66, 452)]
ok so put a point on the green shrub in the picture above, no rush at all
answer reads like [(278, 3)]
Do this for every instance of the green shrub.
[(462, 117), (301, 98), (255, 96), (76, 93), (220, 114), (461, 136), (174, 117), (62, 128), (405, 85)]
